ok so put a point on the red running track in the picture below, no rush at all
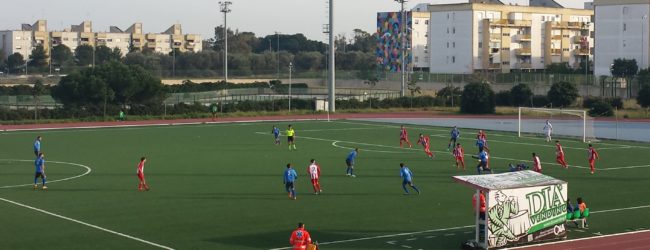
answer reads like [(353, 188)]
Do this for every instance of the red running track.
[(623, 241)]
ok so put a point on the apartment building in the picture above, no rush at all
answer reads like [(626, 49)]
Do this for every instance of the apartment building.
[(622, 32), (24, 40), (470, 37)]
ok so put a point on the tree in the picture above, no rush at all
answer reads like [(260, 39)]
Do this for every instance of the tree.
[(562, 94), (3, 63), (601, 107), (84, 55), (559, 68), (521, 95), (643, 97), (643, 77), (15, 61), (451, 94), (62, 55), (478, 98), (38, 58), (105, 54), (626, 69), (112, 83)]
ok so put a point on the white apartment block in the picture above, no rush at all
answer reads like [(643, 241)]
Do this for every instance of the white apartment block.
[(469, 37), (420, 36), (23, 41), (622, 31)]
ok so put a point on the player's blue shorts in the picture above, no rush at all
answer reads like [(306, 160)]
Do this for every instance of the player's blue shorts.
[(276, 136), (407, 182), (350, 163)]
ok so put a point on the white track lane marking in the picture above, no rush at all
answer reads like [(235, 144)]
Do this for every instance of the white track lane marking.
[(87, 224), (88, 170)]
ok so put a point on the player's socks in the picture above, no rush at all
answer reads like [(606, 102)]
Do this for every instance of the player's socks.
[(43, 179), (416, 189), (294, 146)]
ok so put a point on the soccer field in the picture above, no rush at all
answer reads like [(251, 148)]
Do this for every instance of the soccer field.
[(219, 186)]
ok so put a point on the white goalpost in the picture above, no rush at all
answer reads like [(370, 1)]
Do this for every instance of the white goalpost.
[(565, 122)]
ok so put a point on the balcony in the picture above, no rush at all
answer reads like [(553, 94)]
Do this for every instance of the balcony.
[(523, 52), (100, 43), (523, 38), (556, 37), (524, 65), (189, 46), (556, 52), (581, 52), (511, 23), (580, 39), (495, 37), (494, 66), (151, 45), (571, 25)]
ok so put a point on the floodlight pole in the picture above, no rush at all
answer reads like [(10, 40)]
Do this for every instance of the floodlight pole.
[(225, 8), (290, 70), (332, 62)]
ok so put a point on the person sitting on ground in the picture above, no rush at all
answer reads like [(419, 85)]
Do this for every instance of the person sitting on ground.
[(582, 206)]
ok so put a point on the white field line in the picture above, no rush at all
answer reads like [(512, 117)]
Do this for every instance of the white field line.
[(87, 224), (143, 126), (447, 153), (88, 170), (620, 146), (368, 150), (580, 239), (469, 226), (383, 236)]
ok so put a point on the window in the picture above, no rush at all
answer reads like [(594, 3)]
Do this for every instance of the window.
[(454, 44), (480, 45), (624, 27), (109, 40), (543, 18), (65, 39), (505, 63), (426, 22), (453, 59), (417, 21), (426, 34), (565, 50), (625, 10), (416, 59), (447, 16), (454, 30), (447, 44), (447, 30)]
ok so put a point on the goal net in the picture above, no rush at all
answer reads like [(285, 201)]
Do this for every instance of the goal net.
[(565, 123)]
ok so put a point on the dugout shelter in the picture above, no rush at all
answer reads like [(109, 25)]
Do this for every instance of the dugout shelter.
[(521, 207)]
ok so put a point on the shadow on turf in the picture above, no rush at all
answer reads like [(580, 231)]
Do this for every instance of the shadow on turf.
[(279, 239)]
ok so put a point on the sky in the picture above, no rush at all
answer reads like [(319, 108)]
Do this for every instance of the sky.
[(263, 17)]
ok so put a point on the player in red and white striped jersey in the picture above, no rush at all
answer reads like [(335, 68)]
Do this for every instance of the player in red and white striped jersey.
[(459, 154), (426, 143), (140, 172), (537, 164), (314, 173), (404, 137), (559, 155), (592, 155)]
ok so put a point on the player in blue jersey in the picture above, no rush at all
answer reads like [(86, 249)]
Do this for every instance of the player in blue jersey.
[(455, 134), (276, 134), (40, 170), (349, 161), (290, 177), (407, 178), (37, 145), (483, 158)]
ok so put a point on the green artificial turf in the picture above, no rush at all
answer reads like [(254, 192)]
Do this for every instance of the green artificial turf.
[(220, 187)]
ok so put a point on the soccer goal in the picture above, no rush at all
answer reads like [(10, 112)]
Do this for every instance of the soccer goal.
[(565, 122)]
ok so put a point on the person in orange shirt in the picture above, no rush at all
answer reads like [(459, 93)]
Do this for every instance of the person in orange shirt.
[(300, 238), (582, 206)]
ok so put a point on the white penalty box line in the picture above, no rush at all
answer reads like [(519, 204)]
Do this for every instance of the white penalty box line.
[(87, 224), (443, 152)]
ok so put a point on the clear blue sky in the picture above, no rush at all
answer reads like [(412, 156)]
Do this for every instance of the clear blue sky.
[(200, 16)]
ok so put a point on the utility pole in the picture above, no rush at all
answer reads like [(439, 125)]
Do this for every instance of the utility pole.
[(290, 71), (277, 55), (225, 8), (403, 34), (332, 62)]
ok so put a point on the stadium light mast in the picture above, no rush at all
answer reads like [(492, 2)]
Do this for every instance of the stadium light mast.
[(332, 61), (225, 8), (403, 45)]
